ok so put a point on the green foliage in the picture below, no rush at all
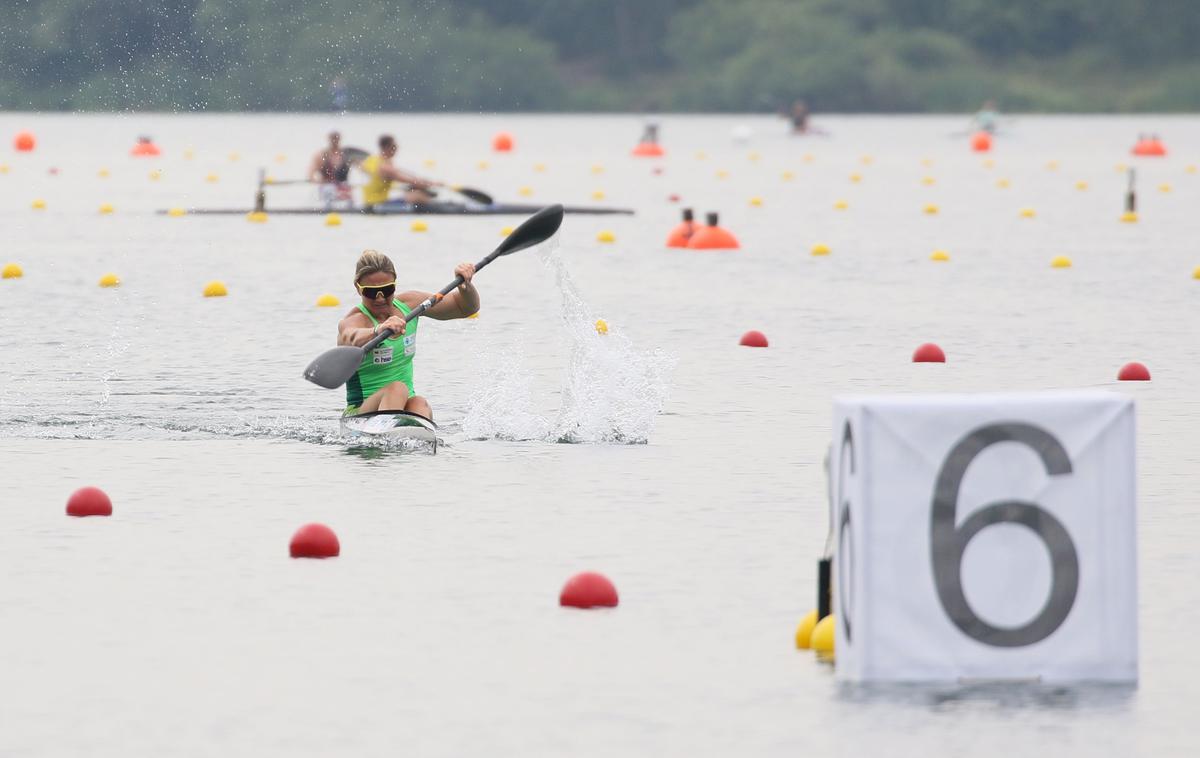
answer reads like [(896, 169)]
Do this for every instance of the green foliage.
[(732, 55)]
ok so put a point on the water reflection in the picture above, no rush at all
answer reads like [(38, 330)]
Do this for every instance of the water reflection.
[(994, 694)]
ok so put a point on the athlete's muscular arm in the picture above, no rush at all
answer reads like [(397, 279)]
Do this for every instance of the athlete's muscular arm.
[(460, 303), (398, 175), (356, 329)]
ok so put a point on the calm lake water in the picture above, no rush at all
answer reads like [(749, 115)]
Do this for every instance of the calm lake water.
[(180, 627)]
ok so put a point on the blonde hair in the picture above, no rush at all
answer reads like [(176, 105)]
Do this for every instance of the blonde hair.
[(371, 262)]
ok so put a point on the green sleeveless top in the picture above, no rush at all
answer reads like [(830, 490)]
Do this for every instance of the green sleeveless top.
[(390, 361)]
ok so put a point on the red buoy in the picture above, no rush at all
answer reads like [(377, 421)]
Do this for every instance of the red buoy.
[(24, 142), (753, 338), (144, 148), (649, 150), (1149, 147), (981, 142), (929, 353), (502, 142), (1134, 372), (315, 541), (588, 590), (673, 198), (712, 237), (680, 235), (89, 501)]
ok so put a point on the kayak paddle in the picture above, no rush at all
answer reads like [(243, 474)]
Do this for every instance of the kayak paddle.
[(334, 367)]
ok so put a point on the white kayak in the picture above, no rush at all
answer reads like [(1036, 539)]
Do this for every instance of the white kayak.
[(391, 425)]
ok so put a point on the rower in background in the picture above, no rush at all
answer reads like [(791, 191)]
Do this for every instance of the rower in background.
[(799, 116), (382, 172), (331, 169), (987, 119)]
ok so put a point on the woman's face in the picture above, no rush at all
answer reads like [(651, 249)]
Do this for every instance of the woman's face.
[(377, 289)]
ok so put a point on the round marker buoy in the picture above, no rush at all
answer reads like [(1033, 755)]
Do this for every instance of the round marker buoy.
[(823, 634), (327, 301), (176, 212), (805, 630), (939, 255), (89, 501), (314, 541), (419, 226), (110, 280), (712, 237), (601, 326), (1060, 261), (928, 353), (981, 142), (1134, 372), (1028, 213), (215, 289), (682, 233), (606, 236), (24, 142), (503, 142), (14, 271), (753, 338), (820, 249), (588, 590), (333, 219)]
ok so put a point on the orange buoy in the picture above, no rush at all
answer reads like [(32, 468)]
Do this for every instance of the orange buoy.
[(753, 338), (1134, 372), (648, 150), (145, 147), (712, 237), (314, 541), (588, 590), (502, 142), (89, 501), (1149, 147), (981, 142), (682, 233), (24, 142), (928, 353)]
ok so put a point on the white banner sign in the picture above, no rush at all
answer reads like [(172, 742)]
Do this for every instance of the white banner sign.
[(985, 537)]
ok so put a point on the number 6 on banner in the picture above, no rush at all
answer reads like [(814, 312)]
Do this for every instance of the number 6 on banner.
[(919, 480)]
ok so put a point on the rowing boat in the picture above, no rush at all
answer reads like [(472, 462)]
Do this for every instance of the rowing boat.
[(391, 426), (408, 209)]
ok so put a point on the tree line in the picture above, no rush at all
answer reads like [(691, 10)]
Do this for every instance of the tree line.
[(607, 55)]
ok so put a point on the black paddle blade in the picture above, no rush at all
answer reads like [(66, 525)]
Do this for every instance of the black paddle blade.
[(355, 154), (478, 196), (334, 367), (538, 228)]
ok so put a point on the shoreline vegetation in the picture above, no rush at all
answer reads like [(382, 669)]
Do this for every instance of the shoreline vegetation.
[(587, 56)]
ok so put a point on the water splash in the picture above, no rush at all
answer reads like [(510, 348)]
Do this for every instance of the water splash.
[(611, 392)]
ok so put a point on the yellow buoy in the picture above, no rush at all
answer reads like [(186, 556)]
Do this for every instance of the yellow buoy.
[(525, 191), (856, 178), (927, 162), (156, 174), (598, 195), (930, 209), (1052, 165), (928, 181), (1129, 217), (429, 163), (1002, 183), (807, 158), (1164, 187), (701, 155), (1121, 167), (601, 326), (333, 219), (989, 163), (212, 178), (3, 168), (233, 157), (327, 301), (539, 167), (1081, 185), (787, 176), (606, 236), (505, 231), (110, 280), (482, 165), (257, 217), (176, 212), (866, 160), (823, 634), (805, 630), (102, 173), (1191, 169), (1028, 213), (820, 249), (39, 204), (268, 179), (1195, 274), (597, 168), (106, 208), (280, 158), (840, 205), (753, 157), (419, 226), (756, 201), (215, 289), (189, 154), (11, 271), (722, 174), (1061, 261), (939, 255)]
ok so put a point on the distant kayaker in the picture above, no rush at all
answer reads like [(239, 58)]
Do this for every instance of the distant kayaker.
[(799, 117), (331, 169), (987, 118), (384, 381), (382, 173)]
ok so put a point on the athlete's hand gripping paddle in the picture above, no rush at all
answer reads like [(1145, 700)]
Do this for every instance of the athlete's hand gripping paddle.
[(334, 367)]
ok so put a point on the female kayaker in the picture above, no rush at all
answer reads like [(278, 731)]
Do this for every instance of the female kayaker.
[(384, 380)]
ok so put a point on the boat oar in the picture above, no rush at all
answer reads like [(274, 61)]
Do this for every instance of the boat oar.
[(334, 367)]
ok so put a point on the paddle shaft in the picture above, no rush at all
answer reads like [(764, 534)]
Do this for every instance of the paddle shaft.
[(428, 303)]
